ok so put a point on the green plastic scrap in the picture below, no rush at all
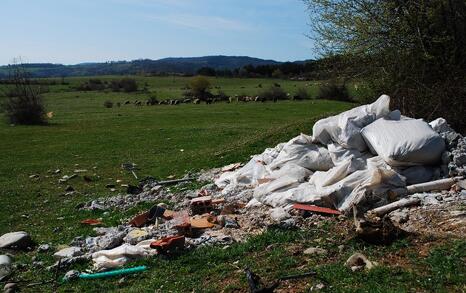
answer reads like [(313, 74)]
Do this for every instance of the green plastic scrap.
[(120, 272)]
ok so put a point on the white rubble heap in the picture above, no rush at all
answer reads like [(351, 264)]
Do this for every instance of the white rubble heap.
[(355, 158)]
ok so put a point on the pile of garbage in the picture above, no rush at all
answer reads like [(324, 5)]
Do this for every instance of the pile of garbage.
[(369, 162), (357, 158)]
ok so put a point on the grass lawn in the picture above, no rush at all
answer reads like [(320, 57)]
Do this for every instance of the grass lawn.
[(171, 140)]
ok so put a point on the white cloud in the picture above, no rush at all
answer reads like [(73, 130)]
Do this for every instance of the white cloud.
[(202, 22)]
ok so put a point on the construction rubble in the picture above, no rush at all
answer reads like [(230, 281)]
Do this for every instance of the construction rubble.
[(368, 163)]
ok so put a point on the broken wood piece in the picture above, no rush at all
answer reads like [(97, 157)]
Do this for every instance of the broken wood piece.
[(231, 167), (167, 182), (263, 180), (315, 209), (218, 201), (442, 184), (383, 210)]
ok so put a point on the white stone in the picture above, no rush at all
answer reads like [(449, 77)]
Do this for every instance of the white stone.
[(315, 251), (68, 252), (15, 240)]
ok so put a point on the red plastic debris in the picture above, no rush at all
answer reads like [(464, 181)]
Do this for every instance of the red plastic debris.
[(92, 222), (168, 243), (316, 209)]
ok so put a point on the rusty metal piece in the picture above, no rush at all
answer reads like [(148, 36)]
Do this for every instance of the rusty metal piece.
[(315, 209)]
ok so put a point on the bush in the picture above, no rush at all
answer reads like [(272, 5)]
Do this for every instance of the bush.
[(273, 93), (333, 91), (221, 96), (125, 84), (108, 104), (301, 94), (24, 104), (152, 101), (92, 84), (199, 86)]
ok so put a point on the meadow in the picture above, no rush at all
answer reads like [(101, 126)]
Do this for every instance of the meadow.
[(169, 141)]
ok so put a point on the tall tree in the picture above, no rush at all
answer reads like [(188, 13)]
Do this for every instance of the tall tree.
[(414, 50)]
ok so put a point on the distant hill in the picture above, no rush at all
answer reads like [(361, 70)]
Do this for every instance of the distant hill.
[(182, 65)]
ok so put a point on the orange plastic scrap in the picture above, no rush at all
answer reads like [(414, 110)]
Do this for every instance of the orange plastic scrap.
[(140, 220), (202, 223), (92, 222), (168, 243), (316, 209)]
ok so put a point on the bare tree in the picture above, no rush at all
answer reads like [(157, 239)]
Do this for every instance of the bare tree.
[(24, 104)]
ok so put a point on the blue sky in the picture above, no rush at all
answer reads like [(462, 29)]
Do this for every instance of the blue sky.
[(74, 31)]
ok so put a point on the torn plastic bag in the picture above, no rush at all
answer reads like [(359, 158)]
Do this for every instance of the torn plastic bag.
[(406, 142), (337, 173), (345, 128), (119, 256), (291, 170), (247, 175), (253, 170), (373, 191), (276, 186), (302, 152)]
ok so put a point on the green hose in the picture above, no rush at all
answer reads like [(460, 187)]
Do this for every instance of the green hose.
[(113, 273)]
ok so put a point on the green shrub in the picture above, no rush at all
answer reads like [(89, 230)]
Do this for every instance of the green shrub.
[(302, 94), (273, 93), (108, 104), (333, 91)]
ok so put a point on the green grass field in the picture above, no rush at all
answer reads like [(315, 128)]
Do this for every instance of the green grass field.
[(171, 140)]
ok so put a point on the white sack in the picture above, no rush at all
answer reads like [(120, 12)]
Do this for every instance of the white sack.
[(406, 142), (419, 174), (345, 128), (440, 125), (339, 154), (302, 152)]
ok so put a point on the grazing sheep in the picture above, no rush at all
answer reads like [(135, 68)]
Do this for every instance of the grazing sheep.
[(187, 101), (196, 101), (127, 102)]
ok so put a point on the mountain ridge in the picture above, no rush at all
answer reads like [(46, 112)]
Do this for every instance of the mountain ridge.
[(169, 65)]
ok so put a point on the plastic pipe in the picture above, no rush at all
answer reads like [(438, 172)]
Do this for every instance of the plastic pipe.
[(113, 273)]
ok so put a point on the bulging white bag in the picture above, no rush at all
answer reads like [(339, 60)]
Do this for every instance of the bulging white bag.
[(407, 142), (345, 128), (302, 152)]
